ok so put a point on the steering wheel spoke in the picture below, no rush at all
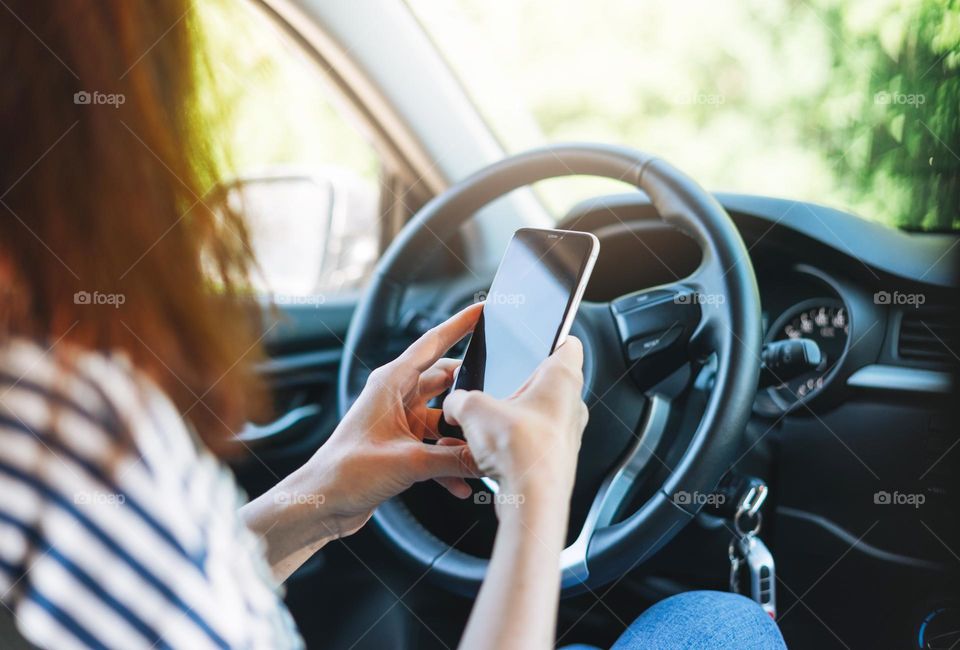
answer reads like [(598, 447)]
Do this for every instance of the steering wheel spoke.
[(615, 491)]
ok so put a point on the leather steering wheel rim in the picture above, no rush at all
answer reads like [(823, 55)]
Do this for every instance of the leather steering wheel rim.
[(731, 330)]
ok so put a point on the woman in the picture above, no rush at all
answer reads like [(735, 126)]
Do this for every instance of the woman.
[(125, 367)]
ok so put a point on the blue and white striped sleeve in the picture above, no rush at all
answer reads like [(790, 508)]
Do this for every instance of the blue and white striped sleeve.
[(117, 529)]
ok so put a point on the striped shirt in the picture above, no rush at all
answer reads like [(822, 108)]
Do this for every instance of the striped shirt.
[(118, 529)]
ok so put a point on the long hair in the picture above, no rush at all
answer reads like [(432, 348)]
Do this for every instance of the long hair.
[(107, 238)]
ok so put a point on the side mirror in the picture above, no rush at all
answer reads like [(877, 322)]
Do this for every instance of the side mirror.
[(312, 231)]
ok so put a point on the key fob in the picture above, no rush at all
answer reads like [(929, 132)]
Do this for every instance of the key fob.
[(758, 561)]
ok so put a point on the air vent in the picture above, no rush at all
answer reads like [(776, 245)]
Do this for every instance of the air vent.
[(929, 335)]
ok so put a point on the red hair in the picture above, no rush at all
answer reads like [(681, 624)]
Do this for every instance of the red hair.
[(107, 239)]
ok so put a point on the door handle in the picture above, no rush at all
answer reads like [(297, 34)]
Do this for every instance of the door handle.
[(256, 432)]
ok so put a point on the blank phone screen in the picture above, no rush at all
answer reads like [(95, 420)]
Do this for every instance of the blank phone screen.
[(524, 310)]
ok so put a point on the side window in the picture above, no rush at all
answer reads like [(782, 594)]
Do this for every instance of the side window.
[(305, 176)]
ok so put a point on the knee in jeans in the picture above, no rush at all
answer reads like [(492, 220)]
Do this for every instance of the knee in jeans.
[(703, 619)]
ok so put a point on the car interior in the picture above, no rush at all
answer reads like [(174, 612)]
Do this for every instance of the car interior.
[(754, 361)]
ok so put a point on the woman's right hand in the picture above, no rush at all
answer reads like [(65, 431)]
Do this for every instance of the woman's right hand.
[(529, 442)]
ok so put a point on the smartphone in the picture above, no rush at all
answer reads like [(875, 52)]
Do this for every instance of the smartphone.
[(528, 311)]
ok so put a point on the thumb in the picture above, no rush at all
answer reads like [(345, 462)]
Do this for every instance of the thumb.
[(464, 404), (450, 457), (569, 355), (561, 371), (454, 485)]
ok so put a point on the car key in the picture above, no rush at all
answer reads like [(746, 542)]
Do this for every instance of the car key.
[(747, 550), (759, 563)]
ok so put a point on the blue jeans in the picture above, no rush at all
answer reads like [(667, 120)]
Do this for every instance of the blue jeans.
[(696, 620)]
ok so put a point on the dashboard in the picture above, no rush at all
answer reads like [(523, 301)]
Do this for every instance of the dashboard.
[(836, 444), (875, 417), (880, 304)]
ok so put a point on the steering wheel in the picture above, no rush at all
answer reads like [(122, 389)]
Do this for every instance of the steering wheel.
[(630, 345)]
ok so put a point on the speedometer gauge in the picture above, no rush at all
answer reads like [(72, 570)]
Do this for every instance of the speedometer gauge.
[(823, 320)]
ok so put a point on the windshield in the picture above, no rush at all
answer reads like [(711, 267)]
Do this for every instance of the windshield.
[(849, 103)]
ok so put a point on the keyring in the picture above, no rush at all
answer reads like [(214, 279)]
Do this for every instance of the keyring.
[(739, 529)]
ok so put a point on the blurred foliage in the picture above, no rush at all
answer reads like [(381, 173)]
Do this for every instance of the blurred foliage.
[(909, 164), (266, 104), (853, 103)]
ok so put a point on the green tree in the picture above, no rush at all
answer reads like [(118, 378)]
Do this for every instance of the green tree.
[(909, 165)]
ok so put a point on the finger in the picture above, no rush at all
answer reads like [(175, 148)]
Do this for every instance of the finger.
[(426, 350), (447, 459), (461, 404), (561, 370), (438, 378), (455, 486), (429, 422), (569, 354)]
